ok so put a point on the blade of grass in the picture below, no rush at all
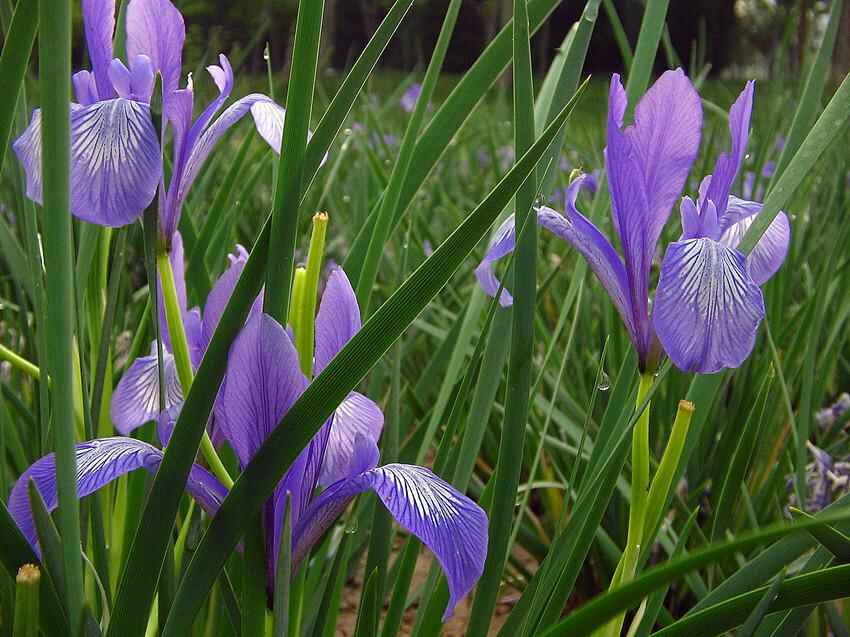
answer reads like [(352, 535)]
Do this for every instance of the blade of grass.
[(55, 71), (14, 61), (449, 118), (509, 462), (651, 28), (597, 612), (825, 131), (809, 102), (290, 170), (390, 201), (339, 377)]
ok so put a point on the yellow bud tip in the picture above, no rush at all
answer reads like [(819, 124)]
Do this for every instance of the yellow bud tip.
[(686, 405), (575, 174), (28, 574), (320, 217)]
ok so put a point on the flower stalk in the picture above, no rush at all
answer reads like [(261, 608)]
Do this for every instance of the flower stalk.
[(26, 601), (180, 345), (305, 338)]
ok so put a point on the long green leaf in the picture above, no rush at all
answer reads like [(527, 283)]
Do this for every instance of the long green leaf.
[(290, 170), (55, 70), (509, 462)]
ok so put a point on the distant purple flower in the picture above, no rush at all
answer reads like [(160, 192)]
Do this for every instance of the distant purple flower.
[(262, 382), (825, 478), (116, 162), (408, 99), (828, 416), (708, 303), (427, 248)]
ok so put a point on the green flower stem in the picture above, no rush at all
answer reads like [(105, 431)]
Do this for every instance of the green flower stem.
[(181, 358), (180, 545), (638, 505), (20, 363), (305, 338), (295, 303)]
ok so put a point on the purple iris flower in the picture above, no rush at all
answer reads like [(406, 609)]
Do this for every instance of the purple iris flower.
[(116, 161), (262, 382), (708, 303), (409, 97)]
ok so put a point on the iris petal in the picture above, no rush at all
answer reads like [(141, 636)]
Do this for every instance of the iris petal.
[(135, 400), (99, 25), (337, 320), (451, 525), (647, 165), (115, 162), (707, 307), (155, 28), (503, 243), (99, 462), (770, 252), (356, 416)]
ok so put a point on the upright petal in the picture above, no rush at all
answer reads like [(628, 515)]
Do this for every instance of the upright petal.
[(115, 162), (155, 28), (196, 154), (220, 293), (135, 400), (647, 166), (223, 78), (770, 252), (728, 164), (263, 381), (357, 416), (503, 243), (337, 320), (600, 255), (85, 87), (707, 307), (99, 462), (446, 521), (99, 24)]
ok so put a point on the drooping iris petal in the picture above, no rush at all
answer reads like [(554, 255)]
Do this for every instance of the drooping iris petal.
[(357, 416), (647, 165), (600, 255), (135, 400), (707, 307), (28, 150), (337, 320), (269, 118), (503, 243), (155, 28), (451, 525), (115, 162), (728, 164), (770, 252), (99, 25), (263, 381), (99, 462)]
